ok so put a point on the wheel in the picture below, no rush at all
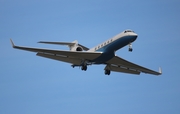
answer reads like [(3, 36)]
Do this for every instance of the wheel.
[(130, 49), (107, 72), (84, 68)]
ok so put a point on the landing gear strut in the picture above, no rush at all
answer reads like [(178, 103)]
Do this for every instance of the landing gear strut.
[(107, 72), (130, 47)]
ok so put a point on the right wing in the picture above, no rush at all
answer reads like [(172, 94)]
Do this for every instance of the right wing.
[(66, 56), (121, 65)]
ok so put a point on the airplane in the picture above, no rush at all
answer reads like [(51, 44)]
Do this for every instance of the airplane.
[(104, 53)]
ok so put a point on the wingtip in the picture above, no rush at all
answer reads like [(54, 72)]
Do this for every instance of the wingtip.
[(12, 43), (40, 42), (160, 70)]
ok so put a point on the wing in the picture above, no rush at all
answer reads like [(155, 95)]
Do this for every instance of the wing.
[(74, 61), (122, 65), (66, 56)]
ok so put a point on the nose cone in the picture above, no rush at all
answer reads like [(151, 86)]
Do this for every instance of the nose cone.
[(134, 36)]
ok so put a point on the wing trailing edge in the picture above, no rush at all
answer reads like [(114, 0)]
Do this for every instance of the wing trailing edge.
[(121, 69), (128, 65)]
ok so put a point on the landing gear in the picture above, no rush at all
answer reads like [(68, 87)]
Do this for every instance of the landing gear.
[(84, 67), (130, 47), (107, 72)]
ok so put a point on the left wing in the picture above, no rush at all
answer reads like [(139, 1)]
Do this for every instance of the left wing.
[(72, 54), (129, 67)]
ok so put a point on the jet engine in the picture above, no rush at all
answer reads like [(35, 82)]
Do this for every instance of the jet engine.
[(76, 48), (79, 48), (73, 46)]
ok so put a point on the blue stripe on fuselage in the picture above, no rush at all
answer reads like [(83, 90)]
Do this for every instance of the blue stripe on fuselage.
[(109, 49)]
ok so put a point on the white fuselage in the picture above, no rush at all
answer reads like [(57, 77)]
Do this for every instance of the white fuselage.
[(111, 45)]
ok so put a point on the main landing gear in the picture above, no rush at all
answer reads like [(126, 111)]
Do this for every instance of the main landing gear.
[(130, 47), (84, 67), (107, 72)]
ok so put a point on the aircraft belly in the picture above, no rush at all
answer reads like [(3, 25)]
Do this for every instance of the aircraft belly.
[(103, 58)]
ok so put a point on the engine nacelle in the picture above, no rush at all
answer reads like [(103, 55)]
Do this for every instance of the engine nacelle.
[(77, 48)]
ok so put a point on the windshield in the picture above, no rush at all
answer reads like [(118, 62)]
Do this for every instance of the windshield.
[(128, 31)]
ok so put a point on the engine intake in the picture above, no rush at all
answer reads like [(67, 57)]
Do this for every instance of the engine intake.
[(79, 49)]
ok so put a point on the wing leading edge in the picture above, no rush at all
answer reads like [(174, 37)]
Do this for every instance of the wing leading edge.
[(122, 65)]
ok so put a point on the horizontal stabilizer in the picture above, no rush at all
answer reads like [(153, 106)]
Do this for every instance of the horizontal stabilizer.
[(65, 43), (58, 43)]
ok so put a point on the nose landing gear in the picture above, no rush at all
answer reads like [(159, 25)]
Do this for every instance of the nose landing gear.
[(107, 72), (130, 47)]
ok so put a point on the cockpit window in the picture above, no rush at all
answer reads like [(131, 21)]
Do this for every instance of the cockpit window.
[(128, 31)]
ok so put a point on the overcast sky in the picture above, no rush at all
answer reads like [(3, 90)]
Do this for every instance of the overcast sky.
[(31, 85)]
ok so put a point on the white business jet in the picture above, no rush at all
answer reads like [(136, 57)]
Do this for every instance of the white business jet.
[(104, 53)]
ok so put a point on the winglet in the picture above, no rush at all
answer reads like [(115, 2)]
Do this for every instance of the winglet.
[(12, 43), (160, 70)]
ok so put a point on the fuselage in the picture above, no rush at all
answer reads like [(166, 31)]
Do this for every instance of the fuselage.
[(109, 47)]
